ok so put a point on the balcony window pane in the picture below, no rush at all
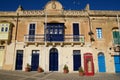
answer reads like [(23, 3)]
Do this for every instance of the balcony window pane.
[(2, 29), (51, 31), (56, 31), (6, 29), (60, 31)]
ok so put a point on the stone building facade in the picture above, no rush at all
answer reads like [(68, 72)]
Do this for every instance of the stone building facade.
[(53, 37)]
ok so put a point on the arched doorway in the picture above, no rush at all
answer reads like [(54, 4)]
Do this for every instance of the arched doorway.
[(76, 60), (101, 62), (35, 60), (88, 64), (53, 60)]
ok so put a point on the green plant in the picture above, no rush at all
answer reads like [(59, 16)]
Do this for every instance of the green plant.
[(65, 67), (81, 69), (28, 68), (28, 65)]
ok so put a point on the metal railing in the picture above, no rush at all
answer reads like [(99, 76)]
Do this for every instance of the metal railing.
[(40, 38)]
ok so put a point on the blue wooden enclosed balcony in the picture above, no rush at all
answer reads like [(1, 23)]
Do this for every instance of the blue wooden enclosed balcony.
[(54, 40)]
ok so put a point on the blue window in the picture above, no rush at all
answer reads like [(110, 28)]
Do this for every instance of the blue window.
[(32, 29), (99, 33), (76, 31), (31, 32), (55, 32)]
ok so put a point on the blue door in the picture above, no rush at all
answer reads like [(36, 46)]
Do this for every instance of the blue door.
[(76, 60), (35, 60), (117, 63), (53, 58), (101, 62), (19, 60)]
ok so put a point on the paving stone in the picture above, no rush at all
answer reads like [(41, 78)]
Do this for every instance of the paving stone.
[(21, 75), (9, 77)]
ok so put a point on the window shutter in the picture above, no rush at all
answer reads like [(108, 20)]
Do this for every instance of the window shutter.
[(116, 37)]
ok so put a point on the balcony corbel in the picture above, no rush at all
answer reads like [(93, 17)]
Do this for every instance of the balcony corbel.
[(72, 44), (62, 44), (36, 44)]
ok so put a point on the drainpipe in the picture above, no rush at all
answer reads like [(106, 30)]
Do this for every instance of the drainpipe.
[(119, 32), (16, 26), (14, 59), (90, 32), (45, 27), (118, 23)]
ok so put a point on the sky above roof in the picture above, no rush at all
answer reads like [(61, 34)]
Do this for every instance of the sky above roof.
[(12, 5)]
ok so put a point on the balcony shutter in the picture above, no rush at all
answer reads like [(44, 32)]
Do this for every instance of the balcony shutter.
[(116, 37)]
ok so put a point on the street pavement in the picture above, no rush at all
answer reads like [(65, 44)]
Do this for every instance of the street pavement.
[(34, 75)]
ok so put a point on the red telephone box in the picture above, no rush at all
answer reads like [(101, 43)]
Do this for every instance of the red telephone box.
[(88, 64)]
